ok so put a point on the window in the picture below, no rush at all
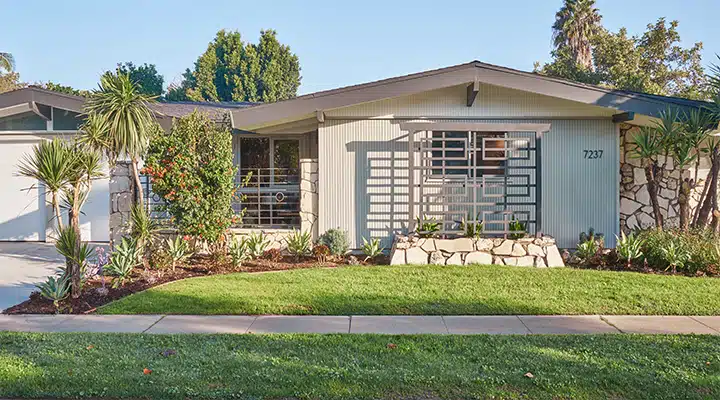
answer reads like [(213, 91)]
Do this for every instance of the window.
[(28, 121), (461, 153)]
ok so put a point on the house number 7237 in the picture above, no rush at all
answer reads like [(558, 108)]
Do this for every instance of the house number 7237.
[(592, 154)]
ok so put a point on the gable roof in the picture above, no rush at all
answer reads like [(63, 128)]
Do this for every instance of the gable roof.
[(306, 105), (31, 98)]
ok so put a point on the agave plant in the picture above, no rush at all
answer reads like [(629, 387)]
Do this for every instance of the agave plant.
[(238, 251), (256, 244), (371, 248), (629, 247), (178, 250), (122, 261), (299, 243), (55, 289)]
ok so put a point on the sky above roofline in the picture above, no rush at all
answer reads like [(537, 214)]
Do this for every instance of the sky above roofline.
[(338, 43)]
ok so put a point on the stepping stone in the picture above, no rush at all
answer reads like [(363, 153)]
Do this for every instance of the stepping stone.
[(496, 324), (300, 324), (651, 324), (391, 324), (203, 324), (566, 324)]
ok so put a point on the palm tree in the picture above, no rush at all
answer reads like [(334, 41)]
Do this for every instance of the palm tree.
[(49, 163), (127, 119), (575, 24), (7, 61)]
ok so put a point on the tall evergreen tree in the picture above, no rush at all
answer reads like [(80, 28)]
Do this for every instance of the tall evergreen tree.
[(145, 76), (232, 70)]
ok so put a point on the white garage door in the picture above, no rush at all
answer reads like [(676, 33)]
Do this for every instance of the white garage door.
[(23, 213)]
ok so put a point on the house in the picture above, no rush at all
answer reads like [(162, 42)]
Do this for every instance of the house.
[(486, 143)]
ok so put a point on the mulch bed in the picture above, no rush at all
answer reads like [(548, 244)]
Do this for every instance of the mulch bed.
[(90, 298)]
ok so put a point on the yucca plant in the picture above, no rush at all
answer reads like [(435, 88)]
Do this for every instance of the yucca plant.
[(299, 243), (122, 261), (629, 248), (74, 250), (50, 162), (143, 229), (127, 118), (238, 250), (178, 250), (55, 289), (256, 244), (371, 248)]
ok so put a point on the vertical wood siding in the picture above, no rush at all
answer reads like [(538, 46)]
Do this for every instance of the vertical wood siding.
[(363, 179)]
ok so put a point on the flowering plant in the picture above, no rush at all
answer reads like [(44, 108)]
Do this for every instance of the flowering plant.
[(191, 168)]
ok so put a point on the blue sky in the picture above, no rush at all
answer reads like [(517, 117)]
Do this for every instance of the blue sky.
[(339, 43)]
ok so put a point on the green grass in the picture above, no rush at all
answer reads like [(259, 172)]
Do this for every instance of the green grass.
[(359, 366), (429, 290)]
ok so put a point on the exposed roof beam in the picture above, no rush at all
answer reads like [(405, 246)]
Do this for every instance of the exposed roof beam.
[(320, 115), (472, 91), (16, 109), (623, 117), (42, 111)]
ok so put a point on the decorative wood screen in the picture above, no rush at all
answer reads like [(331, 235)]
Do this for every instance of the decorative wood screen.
[(472, 173)]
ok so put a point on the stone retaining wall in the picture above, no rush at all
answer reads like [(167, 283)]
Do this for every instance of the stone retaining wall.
[(122, 197), (525, 252)]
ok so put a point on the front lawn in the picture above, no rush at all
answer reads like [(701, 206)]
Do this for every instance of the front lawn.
[(359, 366), (429, 290)]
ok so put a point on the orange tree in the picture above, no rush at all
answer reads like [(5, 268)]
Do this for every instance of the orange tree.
[(191, 168)]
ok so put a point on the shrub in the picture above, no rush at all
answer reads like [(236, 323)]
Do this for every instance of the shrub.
[(336, 240), (238, 251), (675, 256), (142, 228), (629, 248), (178, 250), (256, 244), (471, 229), (299, 243), (427, 227), (55, 289), (599, 238), (122, 261), (274, 255), (321, 252), (699, 245), (191, 168), (587, 250), (517, 229), (372, 248)]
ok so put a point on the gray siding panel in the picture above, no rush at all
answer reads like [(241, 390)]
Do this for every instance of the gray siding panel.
[(363, 179)]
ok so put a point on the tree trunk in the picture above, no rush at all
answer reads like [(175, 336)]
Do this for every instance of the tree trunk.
[(76, 279), (56, 208), (684, 203), (711, 198), (138, 186), (653, 191)]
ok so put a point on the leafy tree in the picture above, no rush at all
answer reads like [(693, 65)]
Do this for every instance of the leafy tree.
[(148, 80), (7, 62), (654, 62), (10, 81), (192, 170), (56, 87), (128, 120), (232, 70), (575, 25)]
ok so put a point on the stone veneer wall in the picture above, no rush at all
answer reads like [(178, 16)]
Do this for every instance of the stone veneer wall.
[(309, 196), (525, 252), (121, 189), (635, 207)]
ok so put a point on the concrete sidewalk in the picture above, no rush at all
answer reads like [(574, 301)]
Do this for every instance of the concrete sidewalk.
[(459, 325)]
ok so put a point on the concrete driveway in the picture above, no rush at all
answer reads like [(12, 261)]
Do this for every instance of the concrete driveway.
[(22, 265)]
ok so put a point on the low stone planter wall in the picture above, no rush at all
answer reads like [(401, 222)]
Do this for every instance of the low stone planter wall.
[(525, 252)]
